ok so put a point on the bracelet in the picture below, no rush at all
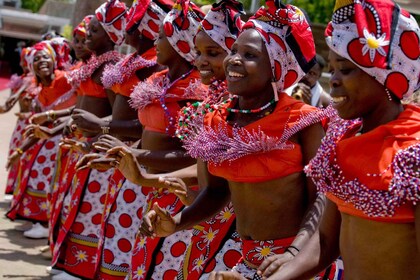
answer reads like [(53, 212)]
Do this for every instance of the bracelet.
[(52, 113), (19, 151), (292, 247), (105, 129), (47, 113)]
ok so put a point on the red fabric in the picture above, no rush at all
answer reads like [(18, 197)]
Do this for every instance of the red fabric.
[(82, 26), (19, 193), (255, 252), (143, 255), (90, 88), (127, 86), (264, 166), (153, 117), (372, 153), (66, 222), (204, 243), (58, 87)]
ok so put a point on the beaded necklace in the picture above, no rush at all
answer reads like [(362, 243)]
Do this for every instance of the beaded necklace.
[(250, 111), (167, 85), (124, 69), (77, 76)]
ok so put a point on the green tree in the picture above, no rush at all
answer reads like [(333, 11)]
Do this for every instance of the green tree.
[(33, 5), (319, 11)]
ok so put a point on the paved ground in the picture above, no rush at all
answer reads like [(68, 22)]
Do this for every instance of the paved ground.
[(19, 256)]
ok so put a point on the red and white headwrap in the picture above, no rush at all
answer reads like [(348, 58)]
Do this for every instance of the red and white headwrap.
[(41, 46), (24, 56), (62, 52), (82, 26), (146, 16), (379, 37), (180, 27), (223, 23), (288, 39), (111, 15)]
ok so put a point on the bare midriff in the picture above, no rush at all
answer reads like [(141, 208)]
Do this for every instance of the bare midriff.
[(269, 210), (378, 250)]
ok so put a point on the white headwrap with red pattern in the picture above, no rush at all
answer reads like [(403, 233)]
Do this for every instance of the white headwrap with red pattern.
[(180, 27), (381, 38), (111, 16)]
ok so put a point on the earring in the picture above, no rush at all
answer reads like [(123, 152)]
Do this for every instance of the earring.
[(388, 93)]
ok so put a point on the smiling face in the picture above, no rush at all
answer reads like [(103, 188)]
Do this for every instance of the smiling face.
[(43, 64), (354, 93), (210, 56), (247, 67)]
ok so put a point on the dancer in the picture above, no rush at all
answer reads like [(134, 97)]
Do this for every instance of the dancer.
[(256, 143), (368, 162)]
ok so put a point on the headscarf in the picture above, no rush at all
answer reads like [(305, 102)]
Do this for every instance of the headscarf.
[(288, 39), (24, 57), (41, 46), (111, 15), (62, 52), (180, 27), (379, 37), (223, 23), (147, 17), (82, 26)]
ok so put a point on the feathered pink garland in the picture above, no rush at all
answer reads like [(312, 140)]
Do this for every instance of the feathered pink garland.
[(148, 92), (329, 178), (15, 82), (77, 76), (216, 145), (124, 69)]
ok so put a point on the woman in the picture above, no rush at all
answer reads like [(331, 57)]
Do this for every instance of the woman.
[(124, 199), (256, 143), (368, 163), (88, 189), (21, 88), (30, 199), (158, 100)]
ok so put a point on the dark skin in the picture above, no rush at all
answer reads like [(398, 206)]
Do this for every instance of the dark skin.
[(281, 202), (306, 84), (356, 94), (90, 108), (44, 72)]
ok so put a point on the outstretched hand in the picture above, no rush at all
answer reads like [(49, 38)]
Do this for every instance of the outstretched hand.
[(86, 159), (80, 146), (178, 187), (106, 142), (157, 223), (86, 121), (126, 162)]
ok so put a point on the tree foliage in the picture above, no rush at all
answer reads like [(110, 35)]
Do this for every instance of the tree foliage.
[(319, 11), (33, 5)]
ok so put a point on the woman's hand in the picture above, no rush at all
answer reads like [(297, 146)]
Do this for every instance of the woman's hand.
[(106, 142), (271, 264), (126, 162), (80, 146), (13, 159), (87, 121), (178, 187), (86, 159), (157, 223), (39, 118)]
